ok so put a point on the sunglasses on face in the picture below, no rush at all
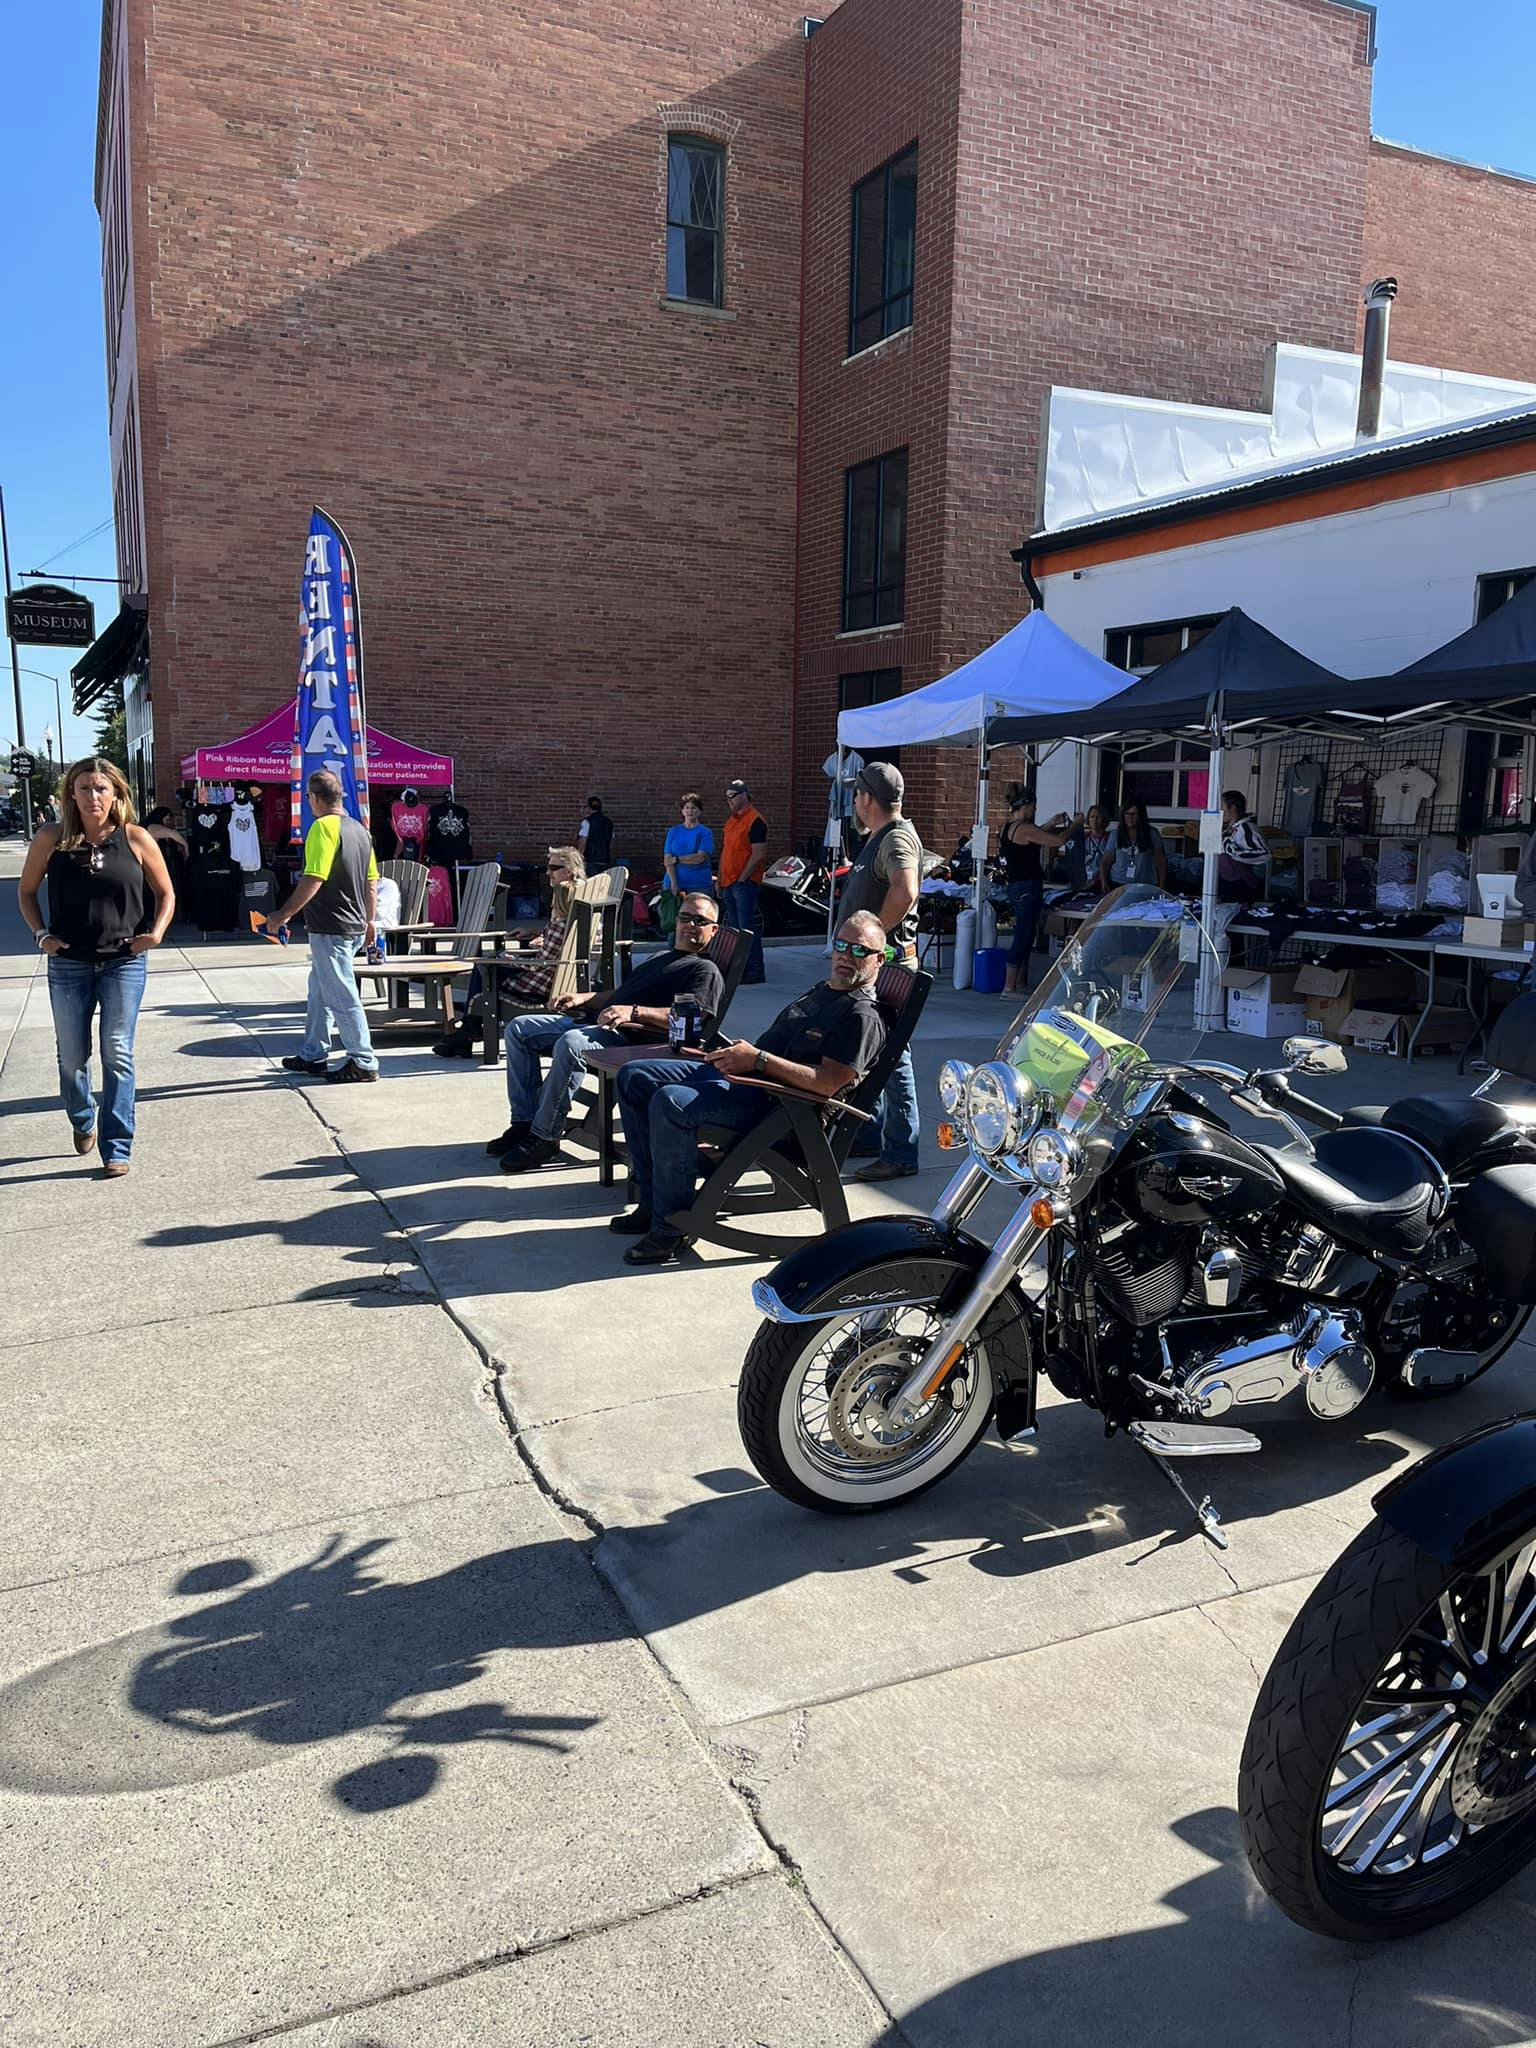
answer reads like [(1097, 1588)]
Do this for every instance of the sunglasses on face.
[(695, 917), (855, 951), (557, 871)]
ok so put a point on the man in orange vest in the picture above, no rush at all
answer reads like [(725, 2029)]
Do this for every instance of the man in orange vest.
[(743, 855)]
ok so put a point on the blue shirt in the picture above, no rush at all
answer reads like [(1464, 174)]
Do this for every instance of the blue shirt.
[(693, 848)]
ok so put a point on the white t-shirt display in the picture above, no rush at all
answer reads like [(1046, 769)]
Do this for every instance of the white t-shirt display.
[(1399, 795)]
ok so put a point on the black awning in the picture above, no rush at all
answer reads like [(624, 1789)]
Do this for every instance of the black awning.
[(113, 654)]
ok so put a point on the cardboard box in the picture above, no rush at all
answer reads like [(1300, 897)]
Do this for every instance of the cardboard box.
[(1507, 933), (1389, 1031), (1332, 992), (1263, 1003)]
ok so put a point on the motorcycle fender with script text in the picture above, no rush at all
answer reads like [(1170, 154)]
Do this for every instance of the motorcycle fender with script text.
[(887, 1260)]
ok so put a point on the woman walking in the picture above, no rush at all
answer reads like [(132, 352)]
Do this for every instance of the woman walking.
[(97, 862), (1019, 847)]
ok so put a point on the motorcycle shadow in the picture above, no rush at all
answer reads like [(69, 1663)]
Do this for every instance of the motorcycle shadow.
[(1233, 1969)]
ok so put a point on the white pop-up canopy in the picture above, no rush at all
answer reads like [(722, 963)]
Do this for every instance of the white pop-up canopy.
[(1034, 668)]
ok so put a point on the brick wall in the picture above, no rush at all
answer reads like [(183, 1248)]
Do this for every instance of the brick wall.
[(1462, 244), (1137, 195), (410, 268)]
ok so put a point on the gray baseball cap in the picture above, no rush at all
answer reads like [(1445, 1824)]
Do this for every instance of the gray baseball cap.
[(883, 782)]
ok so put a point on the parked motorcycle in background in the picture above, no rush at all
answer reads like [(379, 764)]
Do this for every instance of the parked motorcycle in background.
[(1388, 1779), (1179, 1279)]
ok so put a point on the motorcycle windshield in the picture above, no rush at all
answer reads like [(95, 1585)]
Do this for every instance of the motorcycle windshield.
[(1080, 1036)]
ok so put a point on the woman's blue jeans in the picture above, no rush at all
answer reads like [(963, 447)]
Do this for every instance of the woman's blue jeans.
[(1025, 900), (78, 990)]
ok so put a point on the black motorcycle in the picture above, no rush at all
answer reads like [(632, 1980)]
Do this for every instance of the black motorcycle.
[(1172, 1275), (1388, 1780)]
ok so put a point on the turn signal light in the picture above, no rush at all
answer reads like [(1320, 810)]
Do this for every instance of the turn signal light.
[(949, 1138), (1042, 1214)]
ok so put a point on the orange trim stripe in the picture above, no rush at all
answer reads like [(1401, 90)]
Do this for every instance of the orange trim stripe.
[(1446, 472)]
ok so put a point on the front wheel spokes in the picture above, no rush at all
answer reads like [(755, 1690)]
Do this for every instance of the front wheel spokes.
[(1393, 1759), (1389, 1802), (1518, 1605)]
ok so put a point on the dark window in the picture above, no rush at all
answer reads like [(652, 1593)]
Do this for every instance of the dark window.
[(1492, 591), (880, 264), (875, 543), (1141, 648), (695, 221)]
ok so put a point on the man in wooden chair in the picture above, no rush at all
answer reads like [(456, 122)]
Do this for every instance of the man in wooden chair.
[(637, 1010), (822, 1044)]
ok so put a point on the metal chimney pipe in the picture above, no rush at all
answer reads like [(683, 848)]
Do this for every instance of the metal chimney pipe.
[(1373, 356)]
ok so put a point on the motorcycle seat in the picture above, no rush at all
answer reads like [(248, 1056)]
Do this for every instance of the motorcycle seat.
[(1457, 1129), (1364, 1185)]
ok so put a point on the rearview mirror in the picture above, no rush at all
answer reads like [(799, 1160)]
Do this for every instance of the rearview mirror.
[(1315, 1056)]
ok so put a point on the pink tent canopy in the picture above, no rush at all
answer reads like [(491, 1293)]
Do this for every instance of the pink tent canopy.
[(261, 755)]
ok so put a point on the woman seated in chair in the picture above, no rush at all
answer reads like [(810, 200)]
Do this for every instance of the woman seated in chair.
[(535, 977), (822, 1044)]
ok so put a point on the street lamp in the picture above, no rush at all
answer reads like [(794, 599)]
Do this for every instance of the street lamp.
[(58, 705)]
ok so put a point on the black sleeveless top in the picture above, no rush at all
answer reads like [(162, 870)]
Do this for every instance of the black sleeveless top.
[(96, 899), (1021, 858)]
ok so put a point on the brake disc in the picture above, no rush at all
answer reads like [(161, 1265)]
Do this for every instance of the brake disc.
[(1495, 1774), (857, 1420)]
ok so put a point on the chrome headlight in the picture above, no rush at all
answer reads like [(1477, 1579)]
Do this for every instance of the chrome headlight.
[(953, 1076), (1054, 1158), (1000, 1108)]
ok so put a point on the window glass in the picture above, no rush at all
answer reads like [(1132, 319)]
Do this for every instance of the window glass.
[(1142, 648), (875, 542), (695, 221), (1492, 591), (884, 236)]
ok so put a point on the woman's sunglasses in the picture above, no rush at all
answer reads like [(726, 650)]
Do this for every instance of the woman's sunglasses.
[(95, 858), (856, 951)]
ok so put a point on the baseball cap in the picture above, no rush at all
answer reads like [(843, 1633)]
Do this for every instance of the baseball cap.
[(736, 788), (883, 782)]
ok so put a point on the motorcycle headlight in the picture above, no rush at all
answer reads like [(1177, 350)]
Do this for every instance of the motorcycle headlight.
[(1053, 1158), (999, 1108), (953, 1076)]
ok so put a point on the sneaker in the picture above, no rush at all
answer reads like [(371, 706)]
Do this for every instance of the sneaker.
[(533, 1151), (353, 1072), (884, 1169), (656, 1248), (633, 1223), (509, 1141), (295, 1063)]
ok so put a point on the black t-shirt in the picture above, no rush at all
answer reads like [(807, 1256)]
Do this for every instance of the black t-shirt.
[(828, 1023), (448, 838), (655, 984)]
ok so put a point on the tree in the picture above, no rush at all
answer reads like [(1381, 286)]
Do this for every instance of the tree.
[(111, 736)]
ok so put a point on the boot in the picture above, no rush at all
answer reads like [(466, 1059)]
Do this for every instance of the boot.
[(461, 1043)]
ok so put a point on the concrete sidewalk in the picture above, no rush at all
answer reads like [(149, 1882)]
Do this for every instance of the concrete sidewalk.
[(395, 1647)]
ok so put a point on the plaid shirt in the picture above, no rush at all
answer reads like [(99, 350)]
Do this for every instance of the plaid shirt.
[(535, 980)]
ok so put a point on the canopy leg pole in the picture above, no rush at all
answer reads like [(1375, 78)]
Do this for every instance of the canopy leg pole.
[(979, 834), (1208, 1015), (834, 844)]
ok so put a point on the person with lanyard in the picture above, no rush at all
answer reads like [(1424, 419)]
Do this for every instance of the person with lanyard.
[(743, 854), (338, 893), (1135, 852), (823, 1044), (687, 854), (96, 862), (1085, 849), (884, 880), (1020, 846)]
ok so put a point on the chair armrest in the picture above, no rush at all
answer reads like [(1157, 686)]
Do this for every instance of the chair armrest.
[(829, 1103)]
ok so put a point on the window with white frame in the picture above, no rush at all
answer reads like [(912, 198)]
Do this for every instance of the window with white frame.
[(1170, 776)]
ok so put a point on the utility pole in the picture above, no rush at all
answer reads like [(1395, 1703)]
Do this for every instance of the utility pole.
[(21, 721)]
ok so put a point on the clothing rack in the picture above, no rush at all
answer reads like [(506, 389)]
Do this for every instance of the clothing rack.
[(1336, 758)]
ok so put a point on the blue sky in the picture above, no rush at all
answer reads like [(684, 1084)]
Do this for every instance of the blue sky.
[(1448, 77)]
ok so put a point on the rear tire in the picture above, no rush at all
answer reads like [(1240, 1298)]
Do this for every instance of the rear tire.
[(1379, 1605)]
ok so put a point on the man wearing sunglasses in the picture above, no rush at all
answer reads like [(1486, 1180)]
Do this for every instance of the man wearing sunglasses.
[(824, 1042), (637, 1012)]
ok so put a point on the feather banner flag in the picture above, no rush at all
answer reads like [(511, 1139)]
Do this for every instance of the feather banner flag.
[(330, 729)]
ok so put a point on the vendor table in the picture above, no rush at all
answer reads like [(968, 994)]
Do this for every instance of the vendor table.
[(1423, 953)]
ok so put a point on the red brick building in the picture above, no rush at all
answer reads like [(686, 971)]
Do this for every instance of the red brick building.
[(678, 374)]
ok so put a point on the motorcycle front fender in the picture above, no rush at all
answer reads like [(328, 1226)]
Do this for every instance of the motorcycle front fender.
[(1471, 1503), (891, 1261)]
